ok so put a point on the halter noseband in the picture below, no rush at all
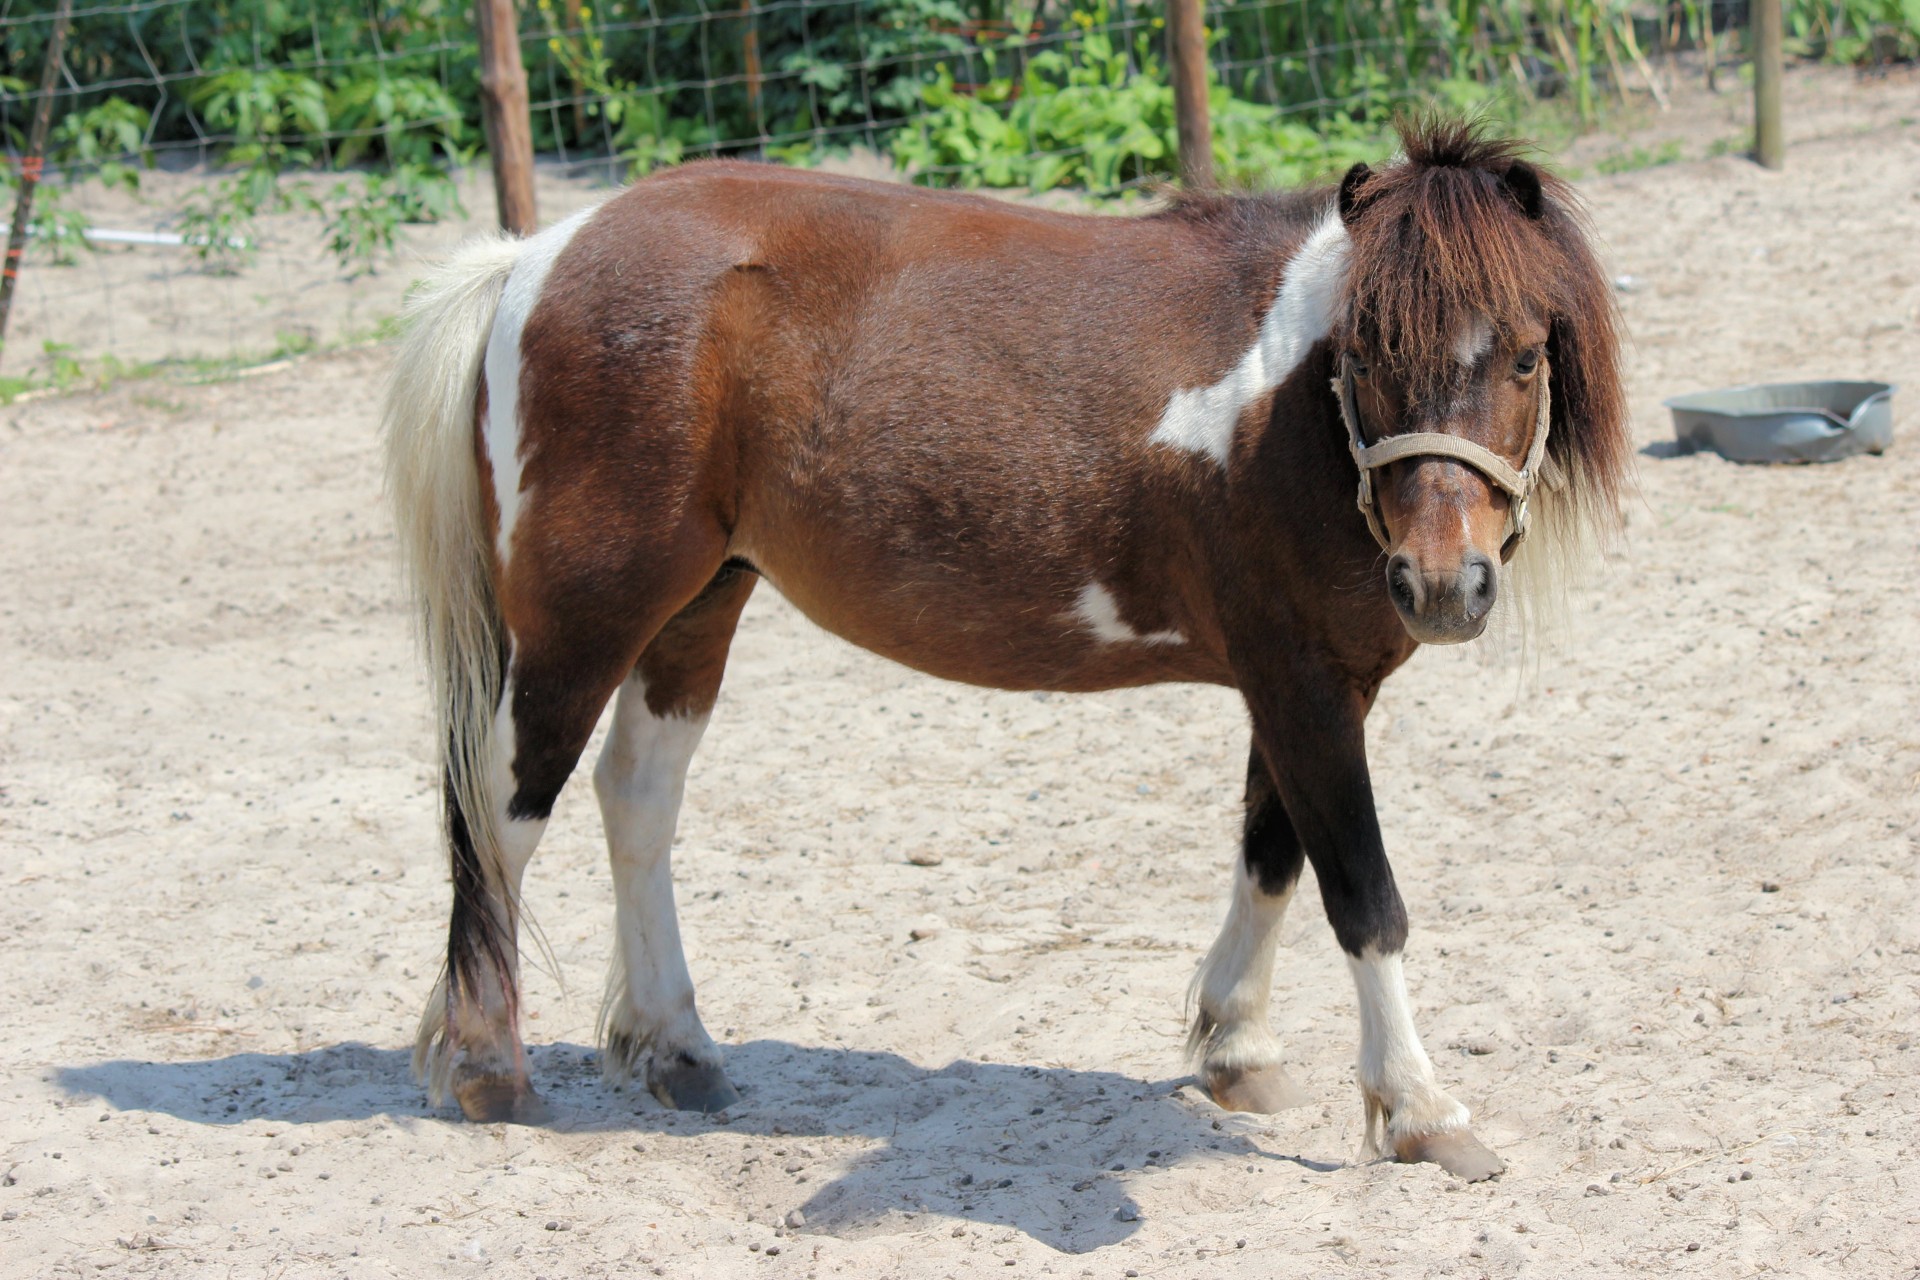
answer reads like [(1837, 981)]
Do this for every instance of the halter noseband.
[(1518, 484)]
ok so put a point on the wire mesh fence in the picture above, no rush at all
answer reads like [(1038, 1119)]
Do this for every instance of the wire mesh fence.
[(230, 176)]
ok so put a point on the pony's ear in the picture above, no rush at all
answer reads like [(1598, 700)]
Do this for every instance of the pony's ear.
[(1351, 202), (1521, 182)]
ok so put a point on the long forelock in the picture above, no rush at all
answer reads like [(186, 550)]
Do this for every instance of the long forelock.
[(1436, 250)]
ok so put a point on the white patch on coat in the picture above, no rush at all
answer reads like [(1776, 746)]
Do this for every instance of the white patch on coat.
[(639, 780), (1395, 1074), (1235, 982), (1474, 340), (517, 301), (1099, 612), (1202, 419)]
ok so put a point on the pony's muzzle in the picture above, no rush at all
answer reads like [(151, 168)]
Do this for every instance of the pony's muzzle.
[(1443, 607)]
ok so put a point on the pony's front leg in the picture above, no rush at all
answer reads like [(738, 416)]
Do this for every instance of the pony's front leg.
[(1318, 755), (1238, 1053)]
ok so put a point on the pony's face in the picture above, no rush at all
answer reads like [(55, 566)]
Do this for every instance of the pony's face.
[(1447, 524), (1470, 282)]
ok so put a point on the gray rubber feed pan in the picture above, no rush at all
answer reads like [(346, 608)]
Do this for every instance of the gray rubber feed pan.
[(1787, 421)]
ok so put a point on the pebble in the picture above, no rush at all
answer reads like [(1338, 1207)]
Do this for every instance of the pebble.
[(925, 858), (554, 1224), (796, 1219), (1126, 1213)]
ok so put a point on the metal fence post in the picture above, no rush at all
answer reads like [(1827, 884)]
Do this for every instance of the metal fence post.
[(1769, 142), (1187, 38), (503, 102)]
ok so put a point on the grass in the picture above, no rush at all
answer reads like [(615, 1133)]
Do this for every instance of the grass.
[(62, 373), (1668, 152)]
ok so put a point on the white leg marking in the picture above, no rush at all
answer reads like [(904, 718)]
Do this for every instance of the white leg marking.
[(639, 780), (517, 300), (1474, 340), (518, 838), (1395, 1073), (1099, 612), (1202, 419), (482, 1025), (1235, 982)]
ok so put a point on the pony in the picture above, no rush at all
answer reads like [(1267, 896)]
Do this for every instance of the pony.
[(1268, 441)]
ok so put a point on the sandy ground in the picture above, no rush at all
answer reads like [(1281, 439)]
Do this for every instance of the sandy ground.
[(1662, 897)]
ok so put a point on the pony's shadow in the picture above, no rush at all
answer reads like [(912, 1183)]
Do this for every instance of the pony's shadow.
[(1044, 1150)]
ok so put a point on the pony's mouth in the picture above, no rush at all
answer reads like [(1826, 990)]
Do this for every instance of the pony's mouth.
[(1443, 607)]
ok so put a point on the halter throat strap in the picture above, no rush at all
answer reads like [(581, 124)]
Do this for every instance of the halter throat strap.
[(1518, 485)]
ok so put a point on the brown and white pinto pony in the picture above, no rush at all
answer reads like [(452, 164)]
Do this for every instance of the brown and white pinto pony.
[(1006, 446)]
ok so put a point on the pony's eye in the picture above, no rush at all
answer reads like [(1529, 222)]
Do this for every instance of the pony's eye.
[(1357, 366), (1529, 361)]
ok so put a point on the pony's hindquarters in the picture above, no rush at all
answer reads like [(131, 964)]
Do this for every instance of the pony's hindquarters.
[(434, 484), (552, 562)]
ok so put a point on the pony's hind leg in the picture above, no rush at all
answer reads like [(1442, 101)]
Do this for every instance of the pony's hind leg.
[(469, 1042), (469, 1046), (1238, 1053), (563, 661), (649, 1021)]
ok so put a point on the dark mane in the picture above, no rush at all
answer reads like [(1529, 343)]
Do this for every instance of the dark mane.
[(1464, 227)]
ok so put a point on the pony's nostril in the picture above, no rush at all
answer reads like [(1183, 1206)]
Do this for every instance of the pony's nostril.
[(1479, 581), (1482, 584), (1401, 586)]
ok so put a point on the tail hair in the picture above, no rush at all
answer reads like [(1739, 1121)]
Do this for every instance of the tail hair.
[(433, 483)]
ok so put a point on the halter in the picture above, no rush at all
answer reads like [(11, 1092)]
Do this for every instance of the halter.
[(1518, 484)]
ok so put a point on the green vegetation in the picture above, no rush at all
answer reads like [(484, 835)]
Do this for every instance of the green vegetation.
[(59, 370), (360, 114)]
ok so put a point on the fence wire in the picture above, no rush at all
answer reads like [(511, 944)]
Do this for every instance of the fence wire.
[(230, 177)]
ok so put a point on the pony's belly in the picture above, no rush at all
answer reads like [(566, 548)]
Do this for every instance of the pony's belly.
[(999, 632)]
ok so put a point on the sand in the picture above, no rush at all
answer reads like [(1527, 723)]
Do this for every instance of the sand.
[(1664, 941)]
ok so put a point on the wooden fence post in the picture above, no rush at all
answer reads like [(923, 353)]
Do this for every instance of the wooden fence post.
[(30, 164), (1769, 142), (503, 104), (1187, 41)]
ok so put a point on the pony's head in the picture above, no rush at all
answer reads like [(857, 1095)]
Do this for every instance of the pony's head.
[(1478, 374)]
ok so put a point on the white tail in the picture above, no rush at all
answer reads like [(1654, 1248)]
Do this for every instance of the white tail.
[(433, 482)]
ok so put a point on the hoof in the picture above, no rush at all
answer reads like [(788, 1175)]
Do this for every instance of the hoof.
[(686, 1085), (497, 1099), (1456, 1150), (1258, 1089)]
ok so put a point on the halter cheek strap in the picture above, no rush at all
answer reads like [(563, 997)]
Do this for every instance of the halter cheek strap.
[(1517, 484)]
